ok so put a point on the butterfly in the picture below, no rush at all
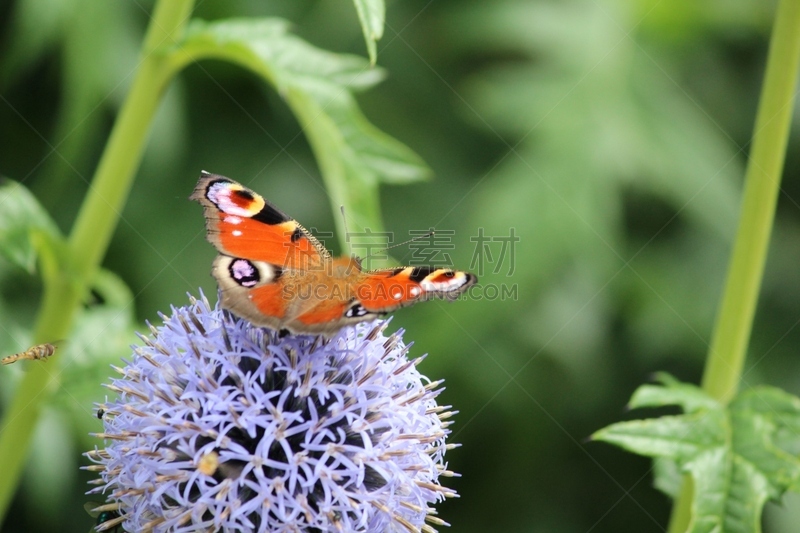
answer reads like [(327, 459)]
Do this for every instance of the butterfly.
[(271, 271)]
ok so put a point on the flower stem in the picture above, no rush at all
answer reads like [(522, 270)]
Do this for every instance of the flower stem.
[(762, 184), (67, 283)]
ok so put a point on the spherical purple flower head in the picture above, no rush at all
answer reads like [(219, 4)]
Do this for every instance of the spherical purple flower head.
[(224, 426)]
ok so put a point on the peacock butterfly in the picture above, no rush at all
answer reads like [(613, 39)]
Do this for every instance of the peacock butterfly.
[(273, 272)]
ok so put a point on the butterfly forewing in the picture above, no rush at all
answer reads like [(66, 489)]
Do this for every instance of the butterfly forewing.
[(241, 223)]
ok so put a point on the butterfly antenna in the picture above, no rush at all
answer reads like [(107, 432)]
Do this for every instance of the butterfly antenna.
[(346, 230), (344, 219), (417, 238)]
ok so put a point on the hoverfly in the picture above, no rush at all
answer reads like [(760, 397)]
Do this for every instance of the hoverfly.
[(40, 352)]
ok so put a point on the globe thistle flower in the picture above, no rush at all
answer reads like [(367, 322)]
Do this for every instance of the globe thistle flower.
[(224, 426)]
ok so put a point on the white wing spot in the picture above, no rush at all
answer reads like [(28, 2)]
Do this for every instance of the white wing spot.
[(236, 233), (231, 219), (397, 295), (415, 291), (444, 286)]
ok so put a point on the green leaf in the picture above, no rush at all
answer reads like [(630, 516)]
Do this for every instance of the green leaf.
[(20, 217), (667, 476), (739, 456), (101, 337), (371, 15), (354, 156), (687, 396)]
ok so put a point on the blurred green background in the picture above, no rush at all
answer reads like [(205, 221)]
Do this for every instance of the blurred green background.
[(609, 135)]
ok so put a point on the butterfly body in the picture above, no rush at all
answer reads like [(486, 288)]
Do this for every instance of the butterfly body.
[(274, 273)]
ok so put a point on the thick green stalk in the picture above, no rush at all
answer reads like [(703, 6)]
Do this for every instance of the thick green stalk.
[(68, 275), (762, 185), (682, 510)]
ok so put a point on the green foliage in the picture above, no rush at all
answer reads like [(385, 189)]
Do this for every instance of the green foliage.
[(101, 336), (622, 127), (354, 156), (611, 135), (21, 217), (593, 125), (738, 456), (371, 15)]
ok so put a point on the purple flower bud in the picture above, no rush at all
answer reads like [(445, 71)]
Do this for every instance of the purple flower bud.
[(224, 426)]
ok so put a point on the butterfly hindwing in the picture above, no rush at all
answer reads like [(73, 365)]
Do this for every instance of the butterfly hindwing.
[(313, 301), (251, 290)]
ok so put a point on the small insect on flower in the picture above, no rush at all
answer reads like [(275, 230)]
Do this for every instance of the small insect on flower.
[(224, 426), (40, 352), (108, 517)]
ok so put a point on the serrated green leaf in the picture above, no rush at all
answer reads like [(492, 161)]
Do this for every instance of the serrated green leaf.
[(354, 156), (739, 456), (371, 15), (669, 436), (689, 397), (667, 476), (21, 216)]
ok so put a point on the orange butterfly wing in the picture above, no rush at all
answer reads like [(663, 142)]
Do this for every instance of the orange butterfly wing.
[(300, 301), (274, 273), (241, 223), (383, 291)]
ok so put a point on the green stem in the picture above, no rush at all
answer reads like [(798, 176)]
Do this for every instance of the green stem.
[(762, 184), (682, 510), (65, 287)]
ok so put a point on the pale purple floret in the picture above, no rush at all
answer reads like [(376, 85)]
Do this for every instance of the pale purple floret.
[(224, 426)]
